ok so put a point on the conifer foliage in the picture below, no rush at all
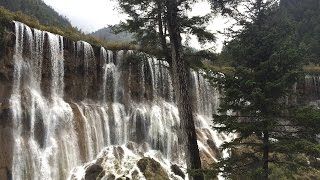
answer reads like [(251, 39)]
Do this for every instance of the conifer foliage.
[(259, 100)]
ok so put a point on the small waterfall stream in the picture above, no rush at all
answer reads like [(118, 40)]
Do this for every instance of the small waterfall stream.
[(54, 134)]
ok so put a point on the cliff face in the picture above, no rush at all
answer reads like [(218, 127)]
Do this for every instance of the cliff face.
[(6, 77)]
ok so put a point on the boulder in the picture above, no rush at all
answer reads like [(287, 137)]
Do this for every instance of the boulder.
[(152, 169), (94, 172), (177, 171), (110, 177)]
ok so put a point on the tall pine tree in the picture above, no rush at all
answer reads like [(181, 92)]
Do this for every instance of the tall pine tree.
[(269, 129)]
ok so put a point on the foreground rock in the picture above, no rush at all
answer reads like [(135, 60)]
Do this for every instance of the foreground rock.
[(128, 162), (152, 169)]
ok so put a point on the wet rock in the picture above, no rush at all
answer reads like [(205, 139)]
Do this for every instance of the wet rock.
[(99, 161), (6, 141), (40, 132), (177, 171), (123, 178), (152, 169), (118, 153), (5, 115), (207, 160), (79, 127), (93, 172), (132, 146), (4, 173), (214, 148), (135, 175), (110, 177), (101, 175)]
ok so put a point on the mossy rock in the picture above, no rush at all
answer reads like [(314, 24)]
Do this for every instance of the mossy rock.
[(177, 171), (94, 171), (152, 169)]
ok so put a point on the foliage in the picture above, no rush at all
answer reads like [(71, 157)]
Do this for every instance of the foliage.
[(134, 57), (148, 24), (38, 9), (267, 62), (306, 16)]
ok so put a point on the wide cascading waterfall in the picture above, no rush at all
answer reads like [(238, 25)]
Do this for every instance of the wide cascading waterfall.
[(69, 105)]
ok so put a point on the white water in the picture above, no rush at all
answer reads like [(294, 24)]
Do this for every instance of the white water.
[(312, 88), (137, 104), (43, 126)]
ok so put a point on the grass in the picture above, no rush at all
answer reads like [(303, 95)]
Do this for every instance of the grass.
[(6, 17), (219, 68), (311, 69)]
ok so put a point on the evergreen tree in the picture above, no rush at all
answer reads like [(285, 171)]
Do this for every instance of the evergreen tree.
[(267, 64), (149, 23), (158, 26)]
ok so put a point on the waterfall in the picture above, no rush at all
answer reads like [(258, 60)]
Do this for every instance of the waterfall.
[(85, 57), (135, 102), (312, 89), (43, 126)]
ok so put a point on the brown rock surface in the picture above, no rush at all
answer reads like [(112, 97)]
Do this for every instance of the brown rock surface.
[(6, 142), (6, 76), (152, 169)]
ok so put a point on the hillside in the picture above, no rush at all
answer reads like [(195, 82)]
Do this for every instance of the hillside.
[(69, 32), (306, 16), (108, 35), (38, 9)]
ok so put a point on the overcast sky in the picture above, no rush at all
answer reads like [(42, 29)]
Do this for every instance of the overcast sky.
[(91, 15)]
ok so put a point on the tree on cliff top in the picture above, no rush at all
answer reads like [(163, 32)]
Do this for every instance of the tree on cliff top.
[(271, 130)]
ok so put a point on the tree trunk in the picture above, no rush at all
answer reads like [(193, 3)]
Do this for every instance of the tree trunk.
[(181, 80), (265, 158), (163, 35)]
